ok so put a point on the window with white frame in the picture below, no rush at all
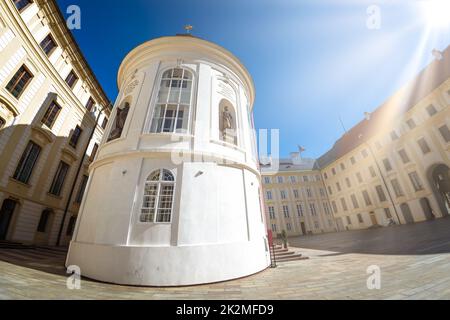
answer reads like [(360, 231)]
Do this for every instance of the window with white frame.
[(272, 212), (312, 206), (300, 210), (296, 194), (173, 104), (286, 211), (283, 194), (280, 179), (269, 195), (158, 197), (266, 180)]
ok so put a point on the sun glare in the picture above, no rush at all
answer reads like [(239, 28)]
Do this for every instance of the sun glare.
[(438, 13)]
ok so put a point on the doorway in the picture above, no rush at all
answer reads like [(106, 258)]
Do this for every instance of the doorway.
[(407, 214), (373, 218), (427, 209), (6, 214), (439, 178), (302, 225)]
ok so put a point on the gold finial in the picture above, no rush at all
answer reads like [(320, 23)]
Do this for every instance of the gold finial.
[(188, 28)]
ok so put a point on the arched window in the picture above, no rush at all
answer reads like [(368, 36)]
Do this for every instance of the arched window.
[(158, 197), (173, 104)]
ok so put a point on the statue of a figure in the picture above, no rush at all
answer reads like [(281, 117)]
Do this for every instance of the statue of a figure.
[(227, 123), (119, 123)]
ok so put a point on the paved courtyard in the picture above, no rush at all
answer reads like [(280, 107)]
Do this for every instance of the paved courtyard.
[(414, 262)]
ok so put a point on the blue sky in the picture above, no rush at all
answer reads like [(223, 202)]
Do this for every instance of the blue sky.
[(312, 61)]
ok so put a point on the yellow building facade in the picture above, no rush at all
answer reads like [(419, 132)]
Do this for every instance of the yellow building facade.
[(392, 167), (50, 102)]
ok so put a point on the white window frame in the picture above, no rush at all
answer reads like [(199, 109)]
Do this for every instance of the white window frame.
[(158, 183), (165, 104)]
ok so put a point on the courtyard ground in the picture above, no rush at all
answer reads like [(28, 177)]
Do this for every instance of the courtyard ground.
[(414, 261)]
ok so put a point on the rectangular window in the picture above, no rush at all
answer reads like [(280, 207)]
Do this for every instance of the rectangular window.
[(360, 219), (354, 201), (286, 211), (309, 192), (90, 104), (280, 179), (48, 44), (411, 124), (445, 133), (296, 195), (424, 146), (326, 208), (359, 177), (387, 212), (415, 180), (312, 207), (387, 165), (22, 4), (394, 135), (58, 179), (283, 194), (94, 152), (73, 142), (373, 174), (71, 226), (330, 191), (366, 198), (43, 221), (80, 193), (335, 208), (272, 213), (404, 156), (380, 193), (347, 181), (300, 210), (71, 79), (353, 160), (338, 186), (104, 123), (397, 188), (269, 195), (16, 86), (305, 178), (288, 226), (293, 179), (27, 162), (349, 221), (364, 153), (322, 192), (344, 204), (274, 228), (51, 114), (431, 110)]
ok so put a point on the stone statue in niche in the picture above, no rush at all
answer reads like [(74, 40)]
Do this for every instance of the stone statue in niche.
[(228, 130), (119, 122)]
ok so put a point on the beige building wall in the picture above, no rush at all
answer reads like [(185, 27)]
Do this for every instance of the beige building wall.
[(296, 200), (22, 204)]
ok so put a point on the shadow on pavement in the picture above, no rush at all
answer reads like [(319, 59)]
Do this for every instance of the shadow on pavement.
[(430, 237)]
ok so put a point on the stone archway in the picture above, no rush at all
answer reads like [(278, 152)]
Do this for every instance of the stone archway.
[(439, 178)]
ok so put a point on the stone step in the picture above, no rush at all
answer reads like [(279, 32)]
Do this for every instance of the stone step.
[(283, 254), (292, 258)]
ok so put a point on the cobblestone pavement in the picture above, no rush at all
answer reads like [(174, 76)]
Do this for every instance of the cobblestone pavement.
[(328, 274)]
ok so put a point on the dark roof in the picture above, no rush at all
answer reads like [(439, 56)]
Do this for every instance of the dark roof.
[(403, 100)]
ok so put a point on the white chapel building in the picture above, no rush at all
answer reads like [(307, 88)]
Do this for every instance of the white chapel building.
[(173, 196)]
